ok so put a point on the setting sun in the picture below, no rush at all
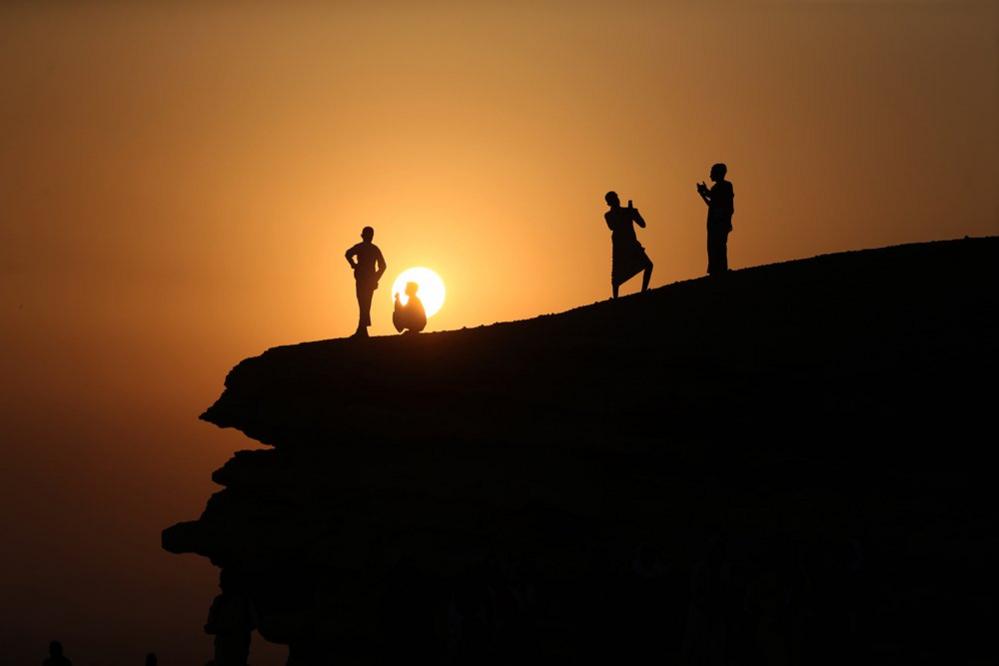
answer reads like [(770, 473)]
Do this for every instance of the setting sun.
[(431, 288)]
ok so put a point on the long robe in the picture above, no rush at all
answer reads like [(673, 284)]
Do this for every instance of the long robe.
[(628, 257)]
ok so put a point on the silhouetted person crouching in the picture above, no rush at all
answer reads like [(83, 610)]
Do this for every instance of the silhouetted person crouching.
[(409, 317), (721, 206), (369, 266), (56, 657), (628, 258)]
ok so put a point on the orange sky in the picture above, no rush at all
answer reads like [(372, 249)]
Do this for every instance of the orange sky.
[(178, 186)]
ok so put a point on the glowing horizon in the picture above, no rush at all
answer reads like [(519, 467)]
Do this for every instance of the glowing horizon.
[(180, 182)]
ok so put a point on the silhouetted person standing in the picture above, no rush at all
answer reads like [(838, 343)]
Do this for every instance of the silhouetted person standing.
[(56, 657), (721, 206), (628, 258), (410, 317), (369, 266)]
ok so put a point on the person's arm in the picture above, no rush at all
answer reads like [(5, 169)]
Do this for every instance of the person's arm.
[(607, 219), (702, 189), (380, 269), (350, 254), (636, 216), (397, 314)]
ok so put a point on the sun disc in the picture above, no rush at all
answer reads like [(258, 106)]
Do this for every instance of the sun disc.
[(431, 290)]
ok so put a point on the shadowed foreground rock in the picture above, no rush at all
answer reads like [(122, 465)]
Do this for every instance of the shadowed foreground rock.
[(789, 465)]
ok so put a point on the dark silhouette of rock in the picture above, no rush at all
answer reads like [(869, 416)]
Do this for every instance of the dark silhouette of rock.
[(231, 620), (805, 460)]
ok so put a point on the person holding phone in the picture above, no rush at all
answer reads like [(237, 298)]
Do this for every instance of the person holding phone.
[(410, 316), (628, 257), (721, 206)]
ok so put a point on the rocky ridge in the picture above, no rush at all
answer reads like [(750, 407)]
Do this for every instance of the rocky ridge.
[(795, 451)]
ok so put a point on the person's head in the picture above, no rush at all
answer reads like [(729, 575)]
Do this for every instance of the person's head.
[(718, 172), (367, 233), (151, 659), (612, 199), (55, 649), (411, 289)]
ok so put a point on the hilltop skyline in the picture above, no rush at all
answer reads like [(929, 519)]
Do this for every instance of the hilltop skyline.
[(179, 182)]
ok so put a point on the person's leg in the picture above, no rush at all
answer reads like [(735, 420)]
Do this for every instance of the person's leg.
[(364, 294), (647, 276), (710, 251), (714, 260), (723, 251), (368, 295)]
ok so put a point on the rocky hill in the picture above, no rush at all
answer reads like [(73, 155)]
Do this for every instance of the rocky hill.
[(790, 464)]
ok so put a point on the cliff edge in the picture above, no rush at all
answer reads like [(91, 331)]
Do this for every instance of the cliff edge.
[(789, 460)]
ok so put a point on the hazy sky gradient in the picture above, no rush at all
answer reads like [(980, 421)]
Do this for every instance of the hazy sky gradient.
[(178, 185)]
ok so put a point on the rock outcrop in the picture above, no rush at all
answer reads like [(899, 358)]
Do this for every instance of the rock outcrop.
[(790, 462)]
